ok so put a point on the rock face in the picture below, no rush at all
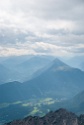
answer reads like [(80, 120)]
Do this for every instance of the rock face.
[(59, 117)]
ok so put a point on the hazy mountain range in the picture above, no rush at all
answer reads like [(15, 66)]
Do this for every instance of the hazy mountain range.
[(7, 75), (51, 87), (76, 61), (34, 85), (59, 80), (21, 68)]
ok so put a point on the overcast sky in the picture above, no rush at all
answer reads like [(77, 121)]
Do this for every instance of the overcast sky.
[(52, 27)]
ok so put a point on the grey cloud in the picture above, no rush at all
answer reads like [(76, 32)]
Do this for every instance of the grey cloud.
[(64, 32), (58, 32), (51, 9), (45, 13), (11, 36), (76, 50)]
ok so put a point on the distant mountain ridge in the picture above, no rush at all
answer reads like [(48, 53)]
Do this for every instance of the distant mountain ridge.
[(7, 75), (82, 66), (76, 61), (59, 80), (59, 117), (59, 77), (22, 68), (77, 103), (32, 65)]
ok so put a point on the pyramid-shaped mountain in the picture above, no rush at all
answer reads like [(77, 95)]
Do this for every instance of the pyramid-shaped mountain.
[(57, 81)]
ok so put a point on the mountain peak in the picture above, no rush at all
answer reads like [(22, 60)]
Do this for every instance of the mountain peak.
[(62, 110), (58, 65), (59, 117), (58, 62)]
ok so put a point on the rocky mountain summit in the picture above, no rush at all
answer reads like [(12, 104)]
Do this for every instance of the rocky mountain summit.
[(59, 117)]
